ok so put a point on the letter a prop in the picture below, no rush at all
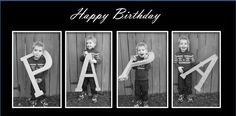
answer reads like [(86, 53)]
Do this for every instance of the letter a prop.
[(88, 59), (205, 74), (31, 73)]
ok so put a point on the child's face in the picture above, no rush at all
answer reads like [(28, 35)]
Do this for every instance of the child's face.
[(183, 45), (142, 51), (38, 52), (90, 44)]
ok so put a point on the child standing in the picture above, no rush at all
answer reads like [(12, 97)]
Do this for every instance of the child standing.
[(184, 60), (37, 61), (90, 48), (141, 76)]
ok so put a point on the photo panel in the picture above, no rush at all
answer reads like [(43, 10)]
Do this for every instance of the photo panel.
[(196, 69), (36, 69), (88, 69), (142, 76)]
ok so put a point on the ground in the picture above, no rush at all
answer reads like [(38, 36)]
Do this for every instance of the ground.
[(104, 100), (53, 101), (155, 100), (199, 100)]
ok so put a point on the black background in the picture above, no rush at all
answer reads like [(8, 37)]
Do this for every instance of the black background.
[(185, 16)]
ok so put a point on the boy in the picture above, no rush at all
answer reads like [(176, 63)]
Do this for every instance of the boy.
[(37, 62), (90, 48), (184, 60), (141, 76)]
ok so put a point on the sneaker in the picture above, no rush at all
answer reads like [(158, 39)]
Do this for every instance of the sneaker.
[(181, 98), (190, 98), (138, 104), (81, 96), (145, 104), (44, 102), (94, 99)]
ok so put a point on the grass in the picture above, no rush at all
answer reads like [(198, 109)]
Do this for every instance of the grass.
[(155, 100), (199, 100), (53, 101), (104, 100)]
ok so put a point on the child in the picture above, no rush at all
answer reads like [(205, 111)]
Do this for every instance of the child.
[(37, 61), (90, 48), (141, 76), (184, 60)]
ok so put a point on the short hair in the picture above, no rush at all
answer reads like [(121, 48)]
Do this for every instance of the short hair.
[(141, 44), (92, 38), (184, 38), (38, 43)]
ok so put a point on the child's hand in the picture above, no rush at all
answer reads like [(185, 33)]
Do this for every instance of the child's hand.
[(180, 68), (145, 56), (39, 80), (94, 61), (134, 58), (85, 53)]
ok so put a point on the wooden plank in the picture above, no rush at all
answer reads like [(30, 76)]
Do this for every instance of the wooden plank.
[(121, 89), (80, 46), (163, 63), (132, 51), (29, 43), (21, 73), (16, 84), (68, 75), (155, 64), (99, 47), (106, 62), (148, 38), (215, 75), (125, 59), (73, 60), (175, 71), (194, 49)]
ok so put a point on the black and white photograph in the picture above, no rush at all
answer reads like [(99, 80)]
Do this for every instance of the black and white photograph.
[(88, 69), (36, 70), (142, 69), (196, 69)]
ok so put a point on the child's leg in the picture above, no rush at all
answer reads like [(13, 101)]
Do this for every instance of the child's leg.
[(144, 91), (85, 84), (93, 90), (188, 82), (42, 98), (181, 85), (137, 93)]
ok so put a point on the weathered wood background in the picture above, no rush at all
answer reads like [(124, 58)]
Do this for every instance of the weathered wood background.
[(157, 42), (75, 48), (202, 45), (22, 45)]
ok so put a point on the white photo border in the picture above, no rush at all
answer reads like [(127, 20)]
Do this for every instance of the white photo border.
[(167, 70), (196, 107), (60, 33), (79, 107)]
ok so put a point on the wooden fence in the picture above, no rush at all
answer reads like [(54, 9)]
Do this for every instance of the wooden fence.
[(22, 45), (202, 45), (76, 46), (157, 42)]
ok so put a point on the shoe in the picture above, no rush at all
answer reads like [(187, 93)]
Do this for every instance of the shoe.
[(190, 98), (138, 104), (81, 96), (44, 102), (181, 98), (94, 99), (145, 104)]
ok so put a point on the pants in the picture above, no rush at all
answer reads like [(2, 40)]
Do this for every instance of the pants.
[(41, 87), (141, 90), (185, 85), (89, 81)]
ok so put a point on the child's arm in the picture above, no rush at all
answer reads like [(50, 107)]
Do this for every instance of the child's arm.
[(98, 58), (179, 67), (148, 66)]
